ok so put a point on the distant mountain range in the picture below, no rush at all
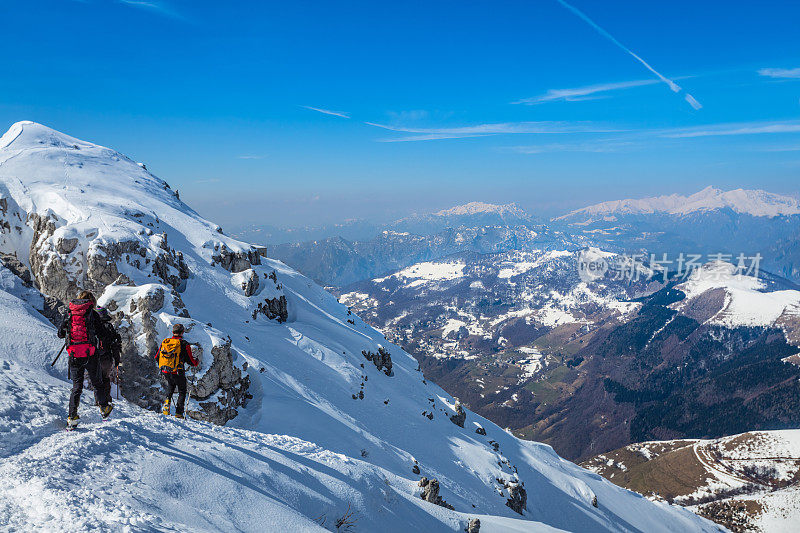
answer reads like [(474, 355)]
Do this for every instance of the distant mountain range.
[(476, 227), (755, 203), (711, 221), (472, 214)]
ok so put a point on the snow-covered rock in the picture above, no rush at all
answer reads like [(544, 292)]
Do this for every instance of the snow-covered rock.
[(300, 450)]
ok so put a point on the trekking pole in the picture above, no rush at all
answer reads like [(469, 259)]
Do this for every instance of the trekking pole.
[(59, 354), (117, 368)]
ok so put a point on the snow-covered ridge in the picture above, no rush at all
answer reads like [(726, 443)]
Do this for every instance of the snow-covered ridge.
[(317, 423), (746, 302), (749, 202), (473, 208)]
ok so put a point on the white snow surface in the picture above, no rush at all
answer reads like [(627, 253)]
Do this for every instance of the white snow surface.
[(750, 202), (429, 271), (302, 452), (746, 302)]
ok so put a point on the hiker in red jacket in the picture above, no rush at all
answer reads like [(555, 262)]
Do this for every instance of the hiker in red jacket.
[(80, 328), (171, 356)]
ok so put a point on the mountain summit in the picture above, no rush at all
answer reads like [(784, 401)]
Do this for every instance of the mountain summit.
[(757, 203), (473, 214), (302, 416), (473, 208)]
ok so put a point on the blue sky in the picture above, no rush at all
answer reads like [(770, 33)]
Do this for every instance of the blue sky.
[(312, 112)]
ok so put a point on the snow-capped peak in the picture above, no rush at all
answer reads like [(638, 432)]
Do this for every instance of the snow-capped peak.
[(28, 134), (748, 202), (474, 208)]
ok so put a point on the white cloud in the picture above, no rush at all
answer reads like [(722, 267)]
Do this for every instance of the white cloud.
[(744, 128), (578, 94), (327, 111), (483, 130), (781, 149), (692, 102), (597, 147), (671, 84), (250, 156), (154, 6), (780, 72)]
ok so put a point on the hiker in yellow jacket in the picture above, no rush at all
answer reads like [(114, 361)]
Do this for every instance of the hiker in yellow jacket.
[(171, 356)]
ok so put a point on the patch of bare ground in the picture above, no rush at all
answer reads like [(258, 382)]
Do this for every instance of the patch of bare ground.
[(736, 515), (671, 471)]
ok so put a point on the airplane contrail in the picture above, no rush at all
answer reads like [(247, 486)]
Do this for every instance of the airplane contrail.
[(671, 84)]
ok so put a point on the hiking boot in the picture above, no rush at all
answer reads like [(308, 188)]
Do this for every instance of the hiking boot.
[(105, 411), (72, 421), (179, 415), (165, 407)]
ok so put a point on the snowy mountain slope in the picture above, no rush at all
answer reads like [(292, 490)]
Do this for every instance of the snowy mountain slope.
[(746, 482), (488, 303), (313, 424), (148, 472), (588, 366), (746, 302), (750, 202)]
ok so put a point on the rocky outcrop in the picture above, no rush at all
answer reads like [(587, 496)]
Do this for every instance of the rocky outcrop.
[(62, 268), (138, 373), (13, 229), (460, 417), (222, 376), (66, 246), (517, 497), (50, 269), (382, 360), (51, 308), (273, 308), (138, 327), (480, 431), (430, 492), (474, 526), (17, 267), (249, 282), (234, 261)]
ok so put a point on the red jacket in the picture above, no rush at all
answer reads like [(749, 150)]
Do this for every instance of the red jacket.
[(186, 356)]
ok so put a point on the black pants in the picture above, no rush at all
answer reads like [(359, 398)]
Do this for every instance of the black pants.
[(106, 366), (78, 369), (173, 381)]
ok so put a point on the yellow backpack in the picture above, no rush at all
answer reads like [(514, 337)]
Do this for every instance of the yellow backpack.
[(169, 356)]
